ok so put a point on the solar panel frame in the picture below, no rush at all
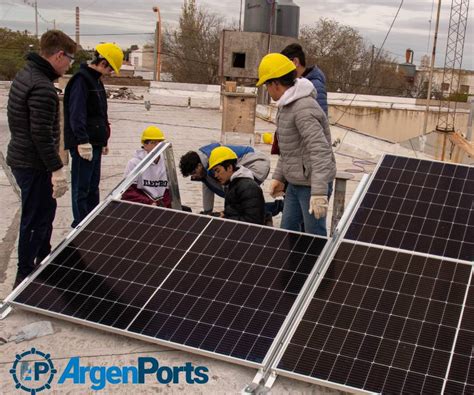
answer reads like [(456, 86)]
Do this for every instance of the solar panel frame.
[(97, 325)]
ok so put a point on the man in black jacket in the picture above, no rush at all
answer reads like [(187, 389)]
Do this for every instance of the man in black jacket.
[(33, 151), (244, 199), (86, 127)]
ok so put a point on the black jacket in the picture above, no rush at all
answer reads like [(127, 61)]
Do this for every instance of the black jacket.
[(244, 199), (33, 117), (85, 109)]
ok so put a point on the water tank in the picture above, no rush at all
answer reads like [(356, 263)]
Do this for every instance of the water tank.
[(288, 19), (258, 16)]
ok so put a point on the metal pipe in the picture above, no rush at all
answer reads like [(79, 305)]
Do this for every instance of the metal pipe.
[(172, 178), (430, 77), (36, 18), (339, 198), (157, 55)]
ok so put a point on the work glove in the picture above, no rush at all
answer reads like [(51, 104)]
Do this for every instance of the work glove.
[(277, 188), (85, 151), (58, 179), (318, 206)]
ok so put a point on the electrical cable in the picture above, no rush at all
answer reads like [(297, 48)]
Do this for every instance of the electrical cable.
[(187, 59), (378, 54), (429, 32)]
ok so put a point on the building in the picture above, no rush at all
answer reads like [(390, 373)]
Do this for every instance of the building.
[(142, 58), (466, 80)]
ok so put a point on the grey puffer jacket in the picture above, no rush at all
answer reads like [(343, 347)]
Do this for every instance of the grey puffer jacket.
[(304, 139)]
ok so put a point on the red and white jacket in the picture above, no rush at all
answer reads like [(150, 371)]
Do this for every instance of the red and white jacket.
[(151, 187)]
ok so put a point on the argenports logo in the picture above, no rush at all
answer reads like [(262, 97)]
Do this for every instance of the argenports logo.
[(33, 371)]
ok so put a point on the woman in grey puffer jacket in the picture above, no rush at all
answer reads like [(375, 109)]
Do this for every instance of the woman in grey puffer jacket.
[(306, 160)]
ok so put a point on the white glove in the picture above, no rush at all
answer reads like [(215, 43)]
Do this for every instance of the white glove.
[(318, 205), (85, 151), (277, 188), (58, 179)]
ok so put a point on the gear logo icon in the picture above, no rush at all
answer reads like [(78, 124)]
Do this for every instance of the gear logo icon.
[(33, 371)]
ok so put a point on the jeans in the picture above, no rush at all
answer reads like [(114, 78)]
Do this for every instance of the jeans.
[(38, 209), (296, 212), (85, 179)]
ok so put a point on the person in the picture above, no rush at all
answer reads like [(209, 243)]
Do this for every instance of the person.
[(295, 53), (244, 198), (33, 150), (86, 127), (306, 161), (196, 165), (151, 187)]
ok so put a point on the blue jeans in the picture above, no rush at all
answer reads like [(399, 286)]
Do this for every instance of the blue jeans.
[(85, 179), (296, 212), (38, 209)]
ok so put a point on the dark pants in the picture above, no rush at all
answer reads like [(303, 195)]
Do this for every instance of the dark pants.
[(38, 209), (85, 179)]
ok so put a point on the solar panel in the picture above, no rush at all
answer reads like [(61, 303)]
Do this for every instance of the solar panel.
[(418, 205), (385, 321), (196, 282), (461, 373)]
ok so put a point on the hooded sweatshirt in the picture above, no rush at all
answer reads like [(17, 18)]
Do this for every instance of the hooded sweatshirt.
[(304, 140), (153, 182), (244, 199)]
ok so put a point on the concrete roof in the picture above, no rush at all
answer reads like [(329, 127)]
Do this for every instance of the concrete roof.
[(187, 129)]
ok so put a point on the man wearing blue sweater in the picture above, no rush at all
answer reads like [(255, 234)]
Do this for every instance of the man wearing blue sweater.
[(313, 73)]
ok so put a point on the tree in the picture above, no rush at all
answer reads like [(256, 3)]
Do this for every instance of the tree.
[(337, 49), (350, 64), (14, 45), (191, 52), (81, 56)]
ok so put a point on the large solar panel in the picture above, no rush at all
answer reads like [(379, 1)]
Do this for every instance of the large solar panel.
[(196, 282), (385, 321), (418, 205)]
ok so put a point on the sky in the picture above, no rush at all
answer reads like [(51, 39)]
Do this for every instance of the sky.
[(130, 22)]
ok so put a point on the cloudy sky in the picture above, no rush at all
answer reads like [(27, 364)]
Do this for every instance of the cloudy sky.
[(132, 22)]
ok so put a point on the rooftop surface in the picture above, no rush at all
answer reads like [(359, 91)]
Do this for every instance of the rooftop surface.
[(187, 129)]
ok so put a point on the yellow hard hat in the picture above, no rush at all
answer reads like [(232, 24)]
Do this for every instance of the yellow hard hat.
[(267, 138), (219, 155), (112, 53), (274, 65), (152, 133)]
